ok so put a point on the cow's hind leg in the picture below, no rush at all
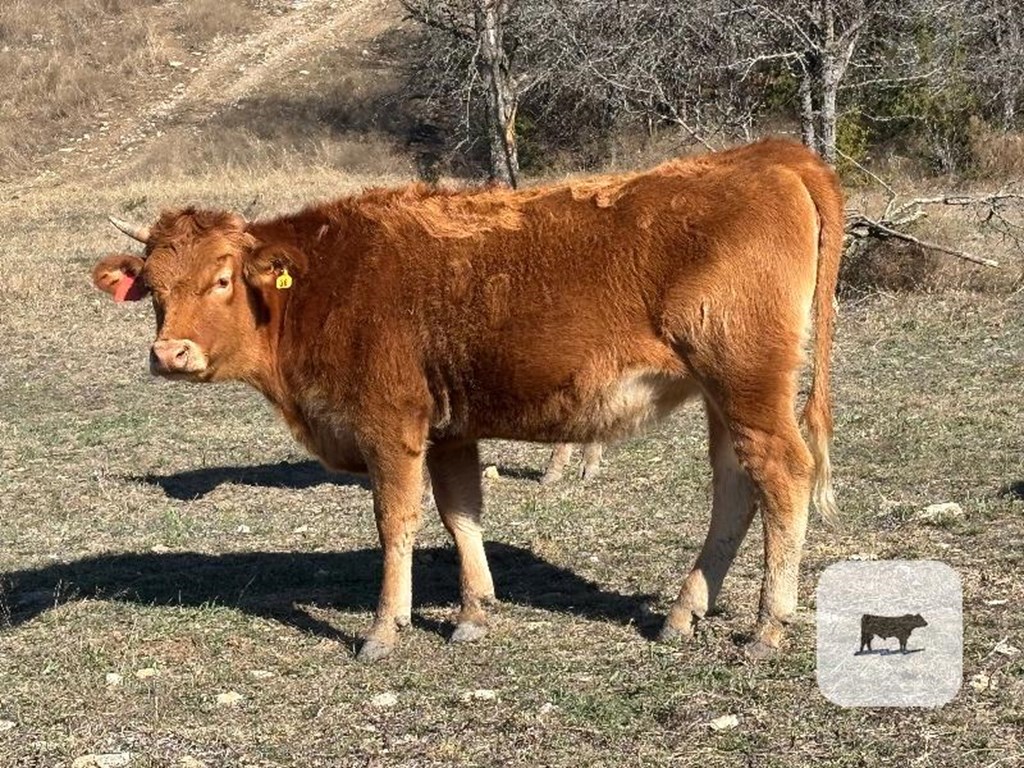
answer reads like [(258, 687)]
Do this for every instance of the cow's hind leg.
[(455, 474), (769, 445), (592, 453), (731, 512), (560, 456)]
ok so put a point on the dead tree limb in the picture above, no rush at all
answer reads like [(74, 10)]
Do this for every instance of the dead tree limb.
[(900, 213), (860, 226)]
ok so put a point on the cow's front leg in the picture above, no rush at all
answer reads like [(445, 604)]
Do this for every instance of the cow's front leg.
[(455, 474), (397, 477)]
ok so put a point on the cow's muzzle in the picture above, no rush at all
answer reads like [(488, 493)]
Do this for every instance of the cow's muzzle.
[(173, 357)]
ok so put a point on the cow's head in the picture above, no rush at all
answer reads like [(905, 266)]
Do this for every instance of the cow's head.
[(212, 285)]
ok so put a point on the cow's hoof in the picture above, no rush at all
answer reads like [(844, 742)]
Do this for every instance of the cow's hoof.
[(468, 632), (758, 650), (671, 634), (374, 650), (550, 478)]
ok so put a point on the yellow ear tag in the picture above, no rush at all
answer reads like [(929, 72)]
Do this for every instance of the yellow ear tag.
[(284, 280)]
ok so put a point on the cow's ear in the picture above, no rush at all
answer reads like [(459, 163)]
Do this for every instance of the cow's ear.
[(119, 274), (272, 266)]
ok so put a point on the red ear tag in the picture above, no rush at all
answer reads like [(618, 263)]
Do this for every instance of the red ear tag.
[(128, 289)]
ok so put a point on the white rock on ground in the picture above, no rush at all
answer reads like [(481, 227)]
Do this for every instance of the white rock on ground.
[(384, 700), (935, 513), (229, 698), (724, 723)]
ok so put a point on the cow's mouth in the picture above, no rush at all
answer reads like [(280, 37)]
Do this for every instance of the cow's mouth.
[(187, 376)]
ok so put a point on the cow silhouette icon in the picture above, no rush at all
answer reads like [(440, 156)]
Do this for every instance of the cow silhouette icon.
[(900, 627)]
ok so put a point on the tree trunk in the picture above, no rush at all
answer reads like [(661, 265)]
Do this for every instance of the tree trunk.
[(495, 70), (807, 115), (830, 78), (1008, 38)]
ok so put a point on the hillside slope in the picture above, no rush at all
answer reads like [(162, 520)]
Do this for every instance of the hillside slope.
[(138, 88)]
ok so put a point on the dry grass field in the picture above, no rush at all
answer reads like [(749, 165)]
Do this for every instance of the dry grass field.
[(181, 586)]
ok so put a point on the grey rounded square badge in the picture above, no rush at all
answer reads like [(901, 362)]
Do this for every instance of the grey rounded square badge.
[(890, 633)]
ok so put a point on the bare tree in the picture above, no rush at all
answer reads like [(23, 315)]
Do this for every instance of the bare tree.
[(476, 32), (995, 44)]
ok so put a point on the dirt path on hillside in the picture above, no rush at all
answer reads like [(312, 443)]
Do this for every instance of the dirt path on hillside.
[(201, 86)]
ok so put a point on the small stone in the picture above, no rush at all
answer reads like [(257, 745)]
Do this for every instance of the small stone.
[(863, 556), (724, 723), (107, 760), (261, 674), (301, 529), (546, 708), (491, 472), (113, 679), (994, 603), (981, 682), (229, 699), (243, 529), (6, 725), (191, 762), (303, 72), (940, 513), (384, 700), (175, 64), (146, 673), (160, 549), (1004, 648)]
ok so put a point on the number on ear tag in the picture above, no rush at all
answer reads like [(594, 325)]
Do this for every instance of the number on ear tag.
[(284, 281)]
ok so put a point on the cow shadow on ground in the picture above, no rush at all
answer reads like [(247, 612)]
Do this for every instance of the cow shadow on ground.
[(888, 652), (520, 472), (196, 483), (283, 585), (1013, 490)]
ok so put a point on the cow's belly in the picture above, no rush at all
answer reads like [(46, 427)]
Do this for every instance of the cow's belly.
[(590, 409), (629, 405)]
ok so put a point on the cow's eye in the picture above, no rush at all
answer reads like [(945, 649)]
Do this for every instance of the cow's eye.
[(223, 282)]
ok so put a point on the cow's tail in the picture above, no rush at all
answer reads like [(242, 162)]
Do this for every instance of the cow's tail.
[(827, 195)]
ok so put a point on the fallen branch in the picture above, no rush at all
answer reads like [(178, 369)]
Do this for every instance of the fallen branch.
[(860, 226), (899, 214)]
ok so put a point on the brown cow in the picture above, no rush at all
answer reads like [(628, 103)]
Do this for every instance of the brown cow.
[(394, 329)]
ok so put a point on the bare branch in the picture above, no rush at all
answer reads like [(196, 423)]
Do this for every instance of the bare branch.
[(859, 225)]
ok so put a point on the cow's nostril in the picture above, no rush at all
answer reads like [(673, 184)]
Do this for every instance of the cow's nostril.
[(182, 353)]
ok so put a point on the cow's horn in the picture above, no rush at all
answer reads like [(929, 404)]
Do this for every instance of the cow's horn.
[(132, 230)]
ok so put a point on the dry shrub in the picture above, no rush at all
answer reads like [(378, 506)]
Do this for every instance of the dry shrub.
[(888, 266), (203, 20), (997, 154)]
